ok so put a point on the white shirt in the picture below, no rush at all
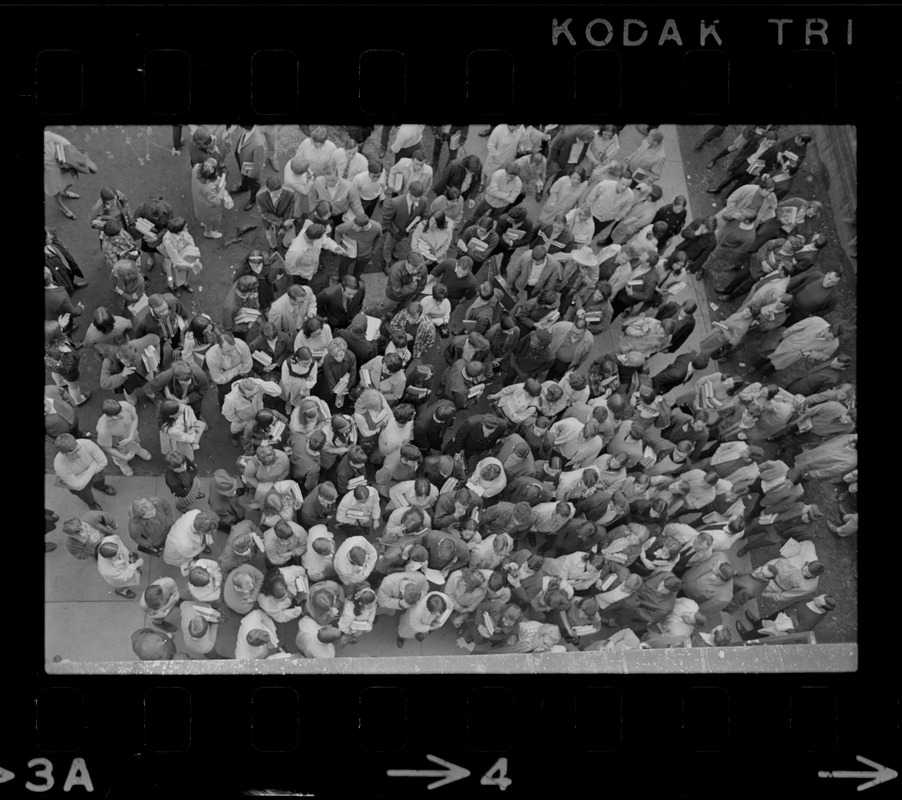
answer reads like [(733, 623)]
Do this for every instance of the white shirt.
[(535, 271), (307, 640), (407, 136)]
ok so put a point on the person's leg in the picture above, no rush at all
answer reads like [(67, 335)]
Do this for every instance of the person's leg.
[(86, 495), (437, 145), (177, 138), (253, 185), (58, 199), (388, 249), (743, 277), (709, 136), (730, 179), (369, 206), (717, 158), (124, 466), (384, 135), (99, 482)]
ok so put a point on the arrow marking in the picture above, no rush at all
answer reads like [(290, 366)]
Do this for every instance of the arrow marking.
[(880, 774), (6, 775), (451, 773)]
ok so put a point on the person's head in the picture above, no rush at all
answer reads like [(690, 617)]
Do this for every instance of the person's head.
[(415, 190), (490, 472), (485, 224), (357, 458), (66, 444), (725, 571), (563, 510), (112, 228), (813, 569), (142, 508), (831, 279), (436, 604), (337, 349), (176, 461), (452, 193)]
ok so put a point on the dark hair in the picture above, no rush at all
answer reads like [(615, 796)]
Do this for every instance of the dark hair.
[(103, 319), (176, 224)]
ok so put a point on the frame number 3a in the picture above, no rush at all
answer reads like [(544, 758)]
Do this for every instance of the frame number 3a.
[(42, 779), (497, 775)]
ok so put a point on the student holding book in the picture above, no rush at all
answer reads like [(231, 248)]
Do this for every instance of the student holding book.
[(181, 255), (358, 238), (250, 152), (503, 189), (478, 241), (457, 276), (400, 216), (514, 230), (432, 237)]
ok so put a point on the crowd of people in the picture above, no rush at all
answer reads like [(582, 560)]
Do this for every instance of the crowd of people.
[(538, 492)]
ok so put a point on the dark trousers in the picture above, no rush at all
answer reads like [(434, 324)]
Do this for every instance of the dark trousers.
[(248, 184), (369, 206), (719, 156), (739, 178), (600, 225), (740, 284), (437, 146), (177, 136), (222, 389), (384, 135), (87, 494), (407, 152), (767, 231), (714, 132), (353, 266)]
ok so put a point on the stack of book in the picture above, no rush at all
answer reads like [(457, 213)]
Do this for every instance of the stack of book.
[(275, 435), (247, 316), (512, 235), (151, 359), (360, 480), (476, 390), (191, 253), (208, 613), (144, 226), (487, 622), (60, 153), (426, 251), (262, 357)]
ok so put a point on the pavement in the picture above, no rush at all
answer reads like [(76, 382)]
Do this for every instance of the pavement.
[(84, 620)]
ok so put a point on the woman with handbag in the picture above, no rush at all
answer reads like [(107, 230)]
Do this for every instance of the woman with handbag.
[(209, 195), (181, 256)]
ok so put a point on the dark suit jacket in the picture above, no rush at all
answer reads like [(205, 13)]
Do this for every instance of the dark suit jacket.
[(396, 215), (427, 433), (454, 175), (56, 302), (673, 375), (196, 390), (284, 348), (682, 329), (542, 236), (254, 151), (146, 323), (559, 150), (278, 213), (329, 305), (470, 437)]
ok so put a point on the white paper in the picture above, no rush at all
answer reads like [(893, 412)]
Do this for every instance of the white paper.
[(434, 576)]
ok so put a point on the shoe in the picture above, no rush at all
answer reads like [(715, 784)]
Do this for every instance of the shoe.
[(741, 629), (531, 538), (201, 496), (207, 550), (49, 547), (213, 235), (167, 627), (382, 151), (234, 441), (127, 593), (713, 191), (95, 507), (742, 551), (143, 454), (69, 194), (709, 165), (150, 551), (251, 204), (752, 618), (175, 152), (85, 397), (486, 133), (238, 190), (68, 213), (127, 471), (187, 288), (400, 642), (79, 282), (107, 490)]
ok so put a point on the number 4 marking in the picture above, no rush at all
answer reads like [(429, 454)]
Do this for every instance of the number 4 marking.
[(500, 780)]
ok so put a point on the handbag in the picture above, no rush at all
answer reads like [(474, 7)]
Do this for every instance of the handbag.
[(227, 202)]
